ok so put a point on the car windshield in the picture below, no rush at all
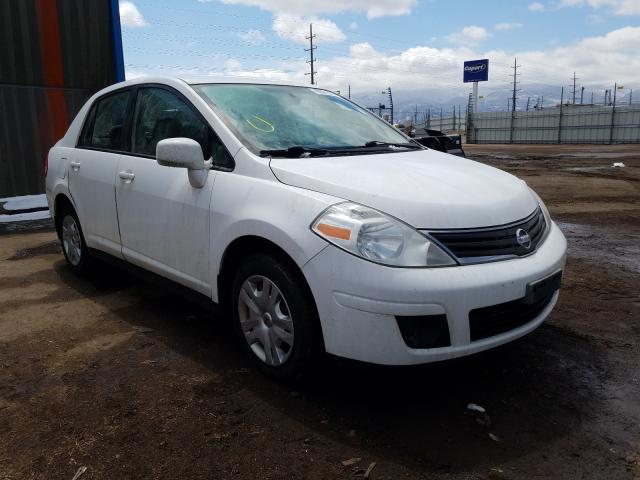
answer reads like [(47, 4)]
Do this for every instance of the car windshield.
[(270, 119)]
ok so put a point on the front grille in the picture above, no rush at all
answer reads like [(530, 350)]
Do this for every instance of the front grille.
[(490, 321), (493, 243)]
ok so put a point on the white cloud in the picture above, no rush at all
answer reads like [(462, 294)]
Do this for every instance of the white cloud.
[(232, 66), (537, 7), (436, 73), (290, 17), (602, 60), (595, 19), (507, 26), (373, 8), (254, 37), (353, 26), (296, 28), (130, 74), (468, 35), (617, 7), (130, 16)]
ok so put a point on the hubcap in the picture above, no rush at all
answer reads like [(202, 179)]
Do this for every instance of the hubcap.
[(71, 240), (265, 320)]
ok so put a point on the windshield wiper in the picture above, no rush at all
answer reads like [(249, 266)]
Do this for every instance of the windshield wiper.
[(378, 143), (296, 151)]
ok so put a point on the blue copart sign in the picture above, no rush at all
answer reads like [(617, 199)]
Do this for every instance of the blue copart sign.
[(476, 71)]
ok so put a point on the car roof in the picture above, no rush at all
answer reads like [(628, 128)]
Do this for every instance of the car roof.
[(202, 79), (205, 79)]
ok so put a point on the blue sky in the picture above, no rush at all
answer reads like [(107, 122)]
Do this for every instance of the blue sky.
[(410, 44)]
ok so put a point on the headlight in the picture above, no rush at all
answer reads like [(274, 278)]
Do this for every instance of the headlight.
[(543, 207), (377, 237)]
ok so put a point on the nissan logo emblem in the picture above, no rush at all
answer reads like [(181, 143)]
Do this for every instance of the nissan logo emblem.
[(523, 239)]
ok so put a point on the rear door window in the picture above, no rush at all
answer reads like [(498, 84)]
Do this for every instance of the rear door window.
[(104, 130)]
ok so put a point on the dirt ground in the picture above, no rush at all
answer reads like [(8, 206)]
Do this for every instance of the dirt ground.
[(133, 381)]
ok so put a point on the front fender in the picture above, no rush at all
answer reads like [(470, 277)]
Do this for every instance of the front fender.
[(248, 206)]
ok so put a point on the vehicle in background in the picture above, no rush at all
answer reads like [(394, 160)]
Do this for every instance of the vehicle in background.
[(436, 140)]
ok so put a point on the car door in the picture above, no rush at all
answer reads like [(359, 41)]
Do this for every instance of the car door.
[(164, 221), (92, 171)]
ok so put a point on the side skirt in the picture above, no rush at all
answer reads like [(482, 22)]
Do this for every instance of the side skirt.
[(149, 277)]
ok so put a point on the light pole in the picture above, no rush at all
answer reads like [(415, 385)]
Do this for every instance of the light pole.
[(388, 93)]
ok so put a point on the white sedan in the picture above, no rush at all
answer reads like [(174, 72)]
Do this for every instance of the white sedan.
[(316, 225)]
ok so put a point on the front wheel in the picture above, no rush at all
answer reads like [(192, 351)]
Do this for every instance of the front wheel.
[(275, 317)]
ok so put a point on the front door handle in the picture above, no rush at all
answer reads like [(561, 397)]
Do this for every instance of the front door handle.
[(75, 166), (127, 176)]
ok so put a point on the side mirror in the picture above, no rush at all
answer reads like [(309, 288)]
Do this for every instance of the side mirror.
[(183, 153)]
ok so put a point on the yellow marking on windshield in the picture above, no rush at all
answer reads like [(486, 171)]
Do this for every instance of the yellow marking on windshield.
[(270, 126)]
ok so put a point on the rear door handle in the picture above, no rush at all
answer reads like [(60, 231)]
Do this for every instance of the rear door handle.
[(75, 166), (127, 176)]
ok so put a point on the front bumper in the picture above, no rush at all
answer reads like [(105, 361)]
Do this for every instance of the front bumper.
[(358, 301)]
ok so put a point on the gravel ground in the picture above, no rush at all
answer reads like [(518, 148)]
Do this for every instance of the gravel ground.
[(131, 380)]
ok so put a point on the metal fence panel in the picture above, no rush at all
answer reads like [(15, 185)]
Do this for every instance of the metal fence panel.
[(55, 54), (569, 124), (26, 134)]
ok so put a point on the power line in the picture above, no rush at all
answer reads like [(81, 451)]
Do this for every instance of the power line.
[(294, 21)]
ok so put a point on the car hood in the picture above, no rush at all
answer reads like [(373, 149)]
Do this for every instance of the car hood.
[(426, 189)]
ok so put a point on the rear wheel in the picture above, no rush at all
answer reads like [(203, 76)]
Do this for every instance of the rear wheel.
[(73, 245), (274, 317)]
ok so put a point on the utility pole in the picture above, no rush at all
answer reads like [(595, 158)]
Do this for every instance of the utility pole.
[(560, 116), (630, 96), (613, 112), (515, 84), (592, 98), (528, 99), (581, 95), (349, 91), (574, 87), (415, 116), (311, 48)]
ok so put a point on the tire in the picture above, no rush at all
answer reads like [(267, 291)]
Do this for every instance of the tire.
[(283, 349), (74, 247)]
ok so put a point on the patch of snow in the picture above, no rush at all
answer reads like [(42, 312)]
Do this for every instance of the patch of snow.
[(22, 217), (24, 202), (476, 408)]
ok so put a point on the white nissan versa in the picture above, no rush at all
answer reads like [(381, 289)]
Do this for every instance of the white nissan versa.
[(318, 225)]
